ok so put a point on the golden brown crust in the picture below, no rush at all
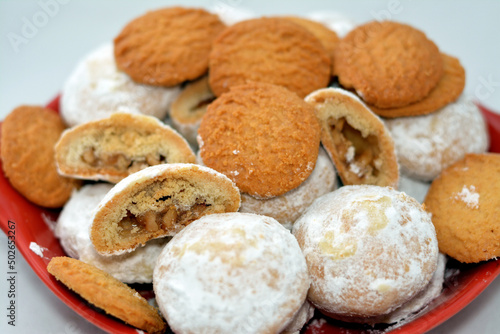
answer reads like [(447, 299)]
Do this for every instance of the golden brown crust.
[(271, 50), (389, 64), (465, 207), (29, 134), (106, 292), (167, 46), (448, 89), (263, 137)]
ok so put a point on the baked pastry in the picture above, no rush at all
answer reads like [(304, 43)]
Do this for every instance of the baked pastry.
[(72, 229), (288, 207), (231, 273), (388, 64), (302, 317), (369, 250), (270, 50), (110, 149), (356, 139), (425, 145), (107, 293), (189, 107), (465, 207), (168, 46), (156, 202), (29, 134), (262, 136), (96, 89)]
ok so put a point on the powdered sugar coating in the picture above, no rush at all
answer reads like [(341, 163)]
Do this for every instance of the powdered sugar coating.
[(231, 273), (427, 144), (96, 89), (37, 249), (305, 314), (369, 249), (469, 196)]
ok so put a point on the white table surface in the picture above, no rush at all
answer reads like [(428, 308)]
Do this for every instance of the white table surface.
[(33, 71)]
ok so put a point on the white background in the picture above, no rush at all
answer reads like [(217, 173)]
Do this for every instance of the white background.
[(34, 71)]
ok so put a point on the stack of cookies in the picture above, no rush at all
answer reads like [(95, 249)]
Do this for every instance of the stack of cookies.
[(269, 116)]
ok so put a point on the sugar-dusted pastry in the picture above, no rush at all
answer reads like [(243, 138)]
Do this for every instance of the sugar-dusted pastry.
[(110, 149), (356, 139), (72, 229), (231, 273), (305, 313), (97, 88), (156, 202), (369, 250)]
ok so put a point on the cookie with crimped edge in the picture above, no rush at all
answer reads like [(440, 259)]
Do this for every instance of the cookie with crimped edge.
[(72, 230), (465, 207), (107, 293), (388, 64), (356, 139), (156, 202), (168, 46), (231, 273), (262, 136), (29, 134), (369, 250), (110, 149), (96, 88), (447, 90), (427, 144), (271, 50), (189, 107)]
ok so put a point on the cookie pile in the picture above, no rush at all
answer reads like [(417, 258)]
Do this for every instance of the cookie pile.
[(265, 113)]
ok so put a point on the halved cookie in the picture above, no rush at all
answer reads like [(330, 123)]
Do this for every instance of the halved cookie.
[(110, 149), (356, 139), (159, 201)]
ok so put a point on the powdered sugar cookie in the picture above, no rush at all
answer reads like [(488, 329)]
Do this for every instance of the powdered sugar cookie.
[(231, 273), (305, 313), (96, 89)]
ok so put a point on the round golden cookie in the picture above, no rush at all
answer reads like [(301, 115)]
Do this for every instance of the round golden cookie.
[(448, 89), (263, 137), (271, 50), (29, 134), (388, 64), (167, 46), (465, 207), (106, 292)]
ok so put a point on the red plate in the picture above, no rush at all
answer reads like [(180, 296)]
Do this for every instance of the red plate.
[(32, 224)]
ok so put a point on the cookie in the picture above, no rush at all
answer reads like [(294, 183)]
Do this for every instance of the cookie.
[(29, 134), (270, 50), (168, 46), (110, 149), (369, 250), (388, 64), (448, 89), (72, 230), (356, 139), (425, 145), (189, 107), (156, 202), (107, 293), (96, 89), (263, 137), (465, 207), (302, 317), (231, 273)]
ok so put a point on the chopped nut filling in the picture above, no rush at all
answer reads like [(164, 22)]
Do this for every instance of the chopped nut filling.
[(121, 162)]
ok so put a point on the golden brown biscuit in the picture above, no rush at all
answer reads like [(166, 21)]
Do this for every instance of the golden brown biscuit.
[(388, 64), (357, 140), (263, 137), (447, 90), (167, 46), (465, 207), (106, 292), (271, 50), (29, 134)]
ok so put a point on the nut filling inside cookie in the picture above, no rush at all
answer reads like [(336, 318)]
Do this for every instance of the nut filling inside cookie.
[(359, 154), (120, 161)]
